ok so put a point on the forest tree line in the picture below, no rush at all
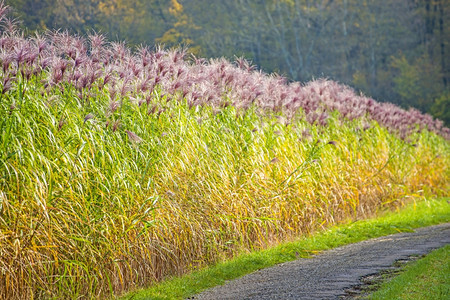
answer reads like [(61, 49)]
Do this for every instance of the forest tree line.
[(391, 50)]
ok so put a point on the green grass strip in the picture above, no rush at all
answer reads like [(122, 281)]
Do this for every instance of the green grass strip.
[(427, 278), (414, 215)]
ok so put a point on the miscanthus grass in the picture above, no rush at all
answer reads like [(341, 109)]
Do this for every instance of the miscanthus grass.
[(118, 169), (87, 211)]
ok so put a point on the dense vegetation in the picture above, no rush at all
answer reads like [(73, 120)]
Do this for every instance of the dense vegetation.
[(120, 168), (392, 50)]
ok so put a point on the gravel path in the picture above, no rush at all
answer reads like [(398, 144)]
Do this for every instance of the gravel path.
[(328, 274)]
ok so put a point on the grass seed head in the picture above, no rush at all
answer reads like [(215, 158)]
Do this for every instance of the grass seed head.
[(88, 117), (134, 138)]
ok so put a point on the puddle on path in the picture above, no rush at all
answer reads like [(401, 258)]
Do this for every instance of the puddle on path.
[(370, 283)]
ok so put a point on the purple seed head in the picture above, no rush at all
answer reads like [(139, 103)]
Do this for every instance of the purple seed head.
[(116, 125), (4, 9), (88, 117), (7, 83), (113, 106), (96, 40), (61, 123), (134, 138), (10, 26)]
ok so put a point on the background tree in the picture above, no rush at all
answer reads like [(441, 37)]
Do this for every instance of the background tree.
[(182, 29)]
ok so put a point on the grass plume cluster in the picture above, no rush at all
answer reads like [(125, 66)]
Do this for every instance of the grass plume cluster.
[(119, 168)]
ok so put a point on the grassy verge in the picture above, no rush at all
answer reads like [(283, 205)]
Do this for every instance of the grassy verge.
[(427, 278), (414, 215)]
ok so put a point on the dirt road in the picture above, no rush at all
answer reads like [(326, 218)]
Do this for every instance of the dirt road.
[(329, 274)]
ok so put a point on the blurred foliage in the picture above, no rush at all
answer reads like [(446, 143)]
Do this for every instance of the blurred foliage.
[(440, 108), (394, 50), (415, 82)]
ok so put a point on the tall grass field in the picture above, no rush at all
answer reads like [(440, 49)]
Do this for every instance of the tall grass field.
[(120, 167)]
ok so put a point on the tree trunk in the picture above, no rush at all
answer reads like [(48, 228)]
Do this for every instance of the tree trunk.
[(442, 42)]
